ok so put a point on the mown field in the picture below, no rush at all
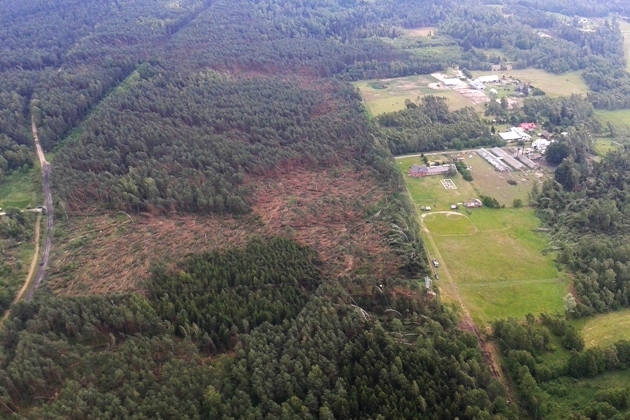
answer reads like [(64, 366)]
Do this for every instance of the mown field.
[(494, 257), (553, 84)]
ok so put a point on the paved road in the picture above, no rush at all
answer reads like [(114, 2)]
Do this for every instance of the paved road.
[(48, 205)]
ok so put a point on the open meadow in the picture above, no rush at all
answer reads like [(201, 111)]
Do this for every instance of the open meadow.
[(605, 329), (553, 84), (20, 189), (493, 257), (620, 118), (389, 95), (605, 145)]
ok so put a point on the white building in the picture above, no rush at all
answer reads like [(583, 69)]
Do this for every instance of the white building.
[(493, 78), (540, 144)]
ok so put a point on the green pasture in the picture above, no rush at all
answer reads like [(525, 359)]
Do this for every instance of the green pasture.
[(603, 330), (20, 189), (553, 84), (494, 256), (620, 118), (389, 95), (605, 145)]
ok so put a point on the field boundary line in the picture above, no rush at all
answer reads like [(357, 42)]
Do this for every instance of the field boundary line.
[(499, 283)]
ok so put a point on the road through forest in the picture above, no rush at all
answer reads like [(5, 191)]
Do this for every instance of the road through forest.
[(48, 206)]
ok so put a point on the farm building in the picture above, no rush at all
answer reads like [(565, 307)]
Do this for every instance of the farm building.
[(546, 135), (507, 158), (540, 144), (528, 126), (527, 161), (510, 136), (521, 132), (493, 78), (477, 85), (473, 203), (493, 160), (418, 171)]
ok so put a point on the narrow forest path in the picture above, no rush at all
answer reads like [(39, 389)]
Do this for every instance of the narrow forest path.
[(31, 270), (48, 206)]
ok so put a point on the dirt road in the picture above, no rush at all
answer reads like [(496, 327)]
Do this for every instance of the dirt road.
[(48, 206), (31, 270)]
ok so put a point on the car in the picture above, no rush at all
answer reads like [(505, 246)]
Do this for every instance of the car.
[(436, 264), (437, 276)]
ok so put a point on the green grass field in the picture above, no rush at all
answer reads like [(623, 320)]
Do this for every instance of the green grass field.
[(389, 95), (20, 189), (605, 145), (494, 256), (499, 269), (603, 330), (619, 118), (553, 84)]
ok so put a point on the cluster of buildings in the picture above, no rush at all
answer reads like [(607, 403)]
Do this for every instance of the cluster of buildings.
[(418, 171)]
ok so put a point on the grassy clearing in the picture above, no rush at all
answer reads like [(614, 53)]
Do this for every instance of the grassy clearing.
[(605, 145), (603, 330), (553, 84), (449, 224), (573, 394), (500, 269), (507, 249), (20, 189), (389, 95), (424, 31), (619, 118), (495, 184), (15, 260), (493, 256)]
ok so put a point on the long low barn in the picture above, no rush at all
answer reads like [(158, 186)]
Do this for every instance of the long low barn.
[(505, 156), (527, 161)]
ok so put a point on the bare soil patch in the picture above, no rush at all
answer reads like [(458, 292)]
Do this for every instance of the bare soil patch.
[(326, 210), (424, 31)]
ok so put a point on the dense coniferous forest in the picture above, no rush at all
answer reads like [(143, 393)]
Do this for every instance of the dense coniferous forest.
[(298, 353), (156, 107)]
